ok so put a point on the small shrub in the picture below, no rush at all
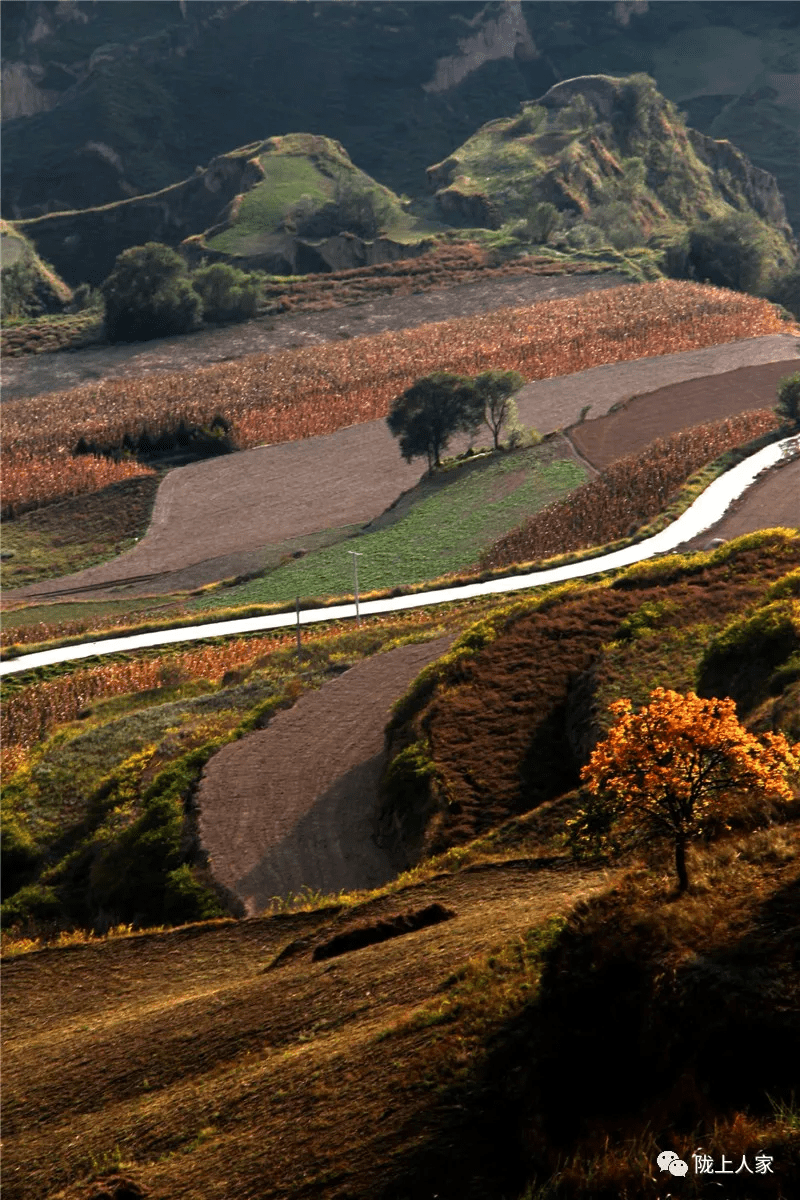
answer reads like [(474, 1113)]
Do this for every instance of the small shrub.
[(187, 899), (227, 293), (788, 406), (85, 298), (785, 290), (731, 252), (647, 617)]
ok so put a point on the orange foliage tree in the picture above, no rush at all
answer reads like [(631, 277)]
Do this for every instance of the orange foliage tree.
[(674, 770)]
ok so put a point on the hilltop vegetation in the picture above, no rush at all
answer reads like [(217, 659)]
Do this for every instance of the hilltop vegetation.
[(599, 160), (126, 103)]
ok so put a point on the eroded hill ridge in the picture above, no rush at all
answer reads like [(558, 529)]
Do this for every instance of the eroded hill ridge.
[(596, 161)]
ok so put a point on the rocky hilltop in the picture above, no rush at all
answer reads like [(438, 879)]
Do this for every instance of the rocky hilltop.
[(605, 160)]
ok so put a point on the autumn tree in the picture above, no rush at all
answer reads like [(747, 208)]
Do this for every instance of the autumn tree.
[(430, 412), (494, 390), (674, 770)]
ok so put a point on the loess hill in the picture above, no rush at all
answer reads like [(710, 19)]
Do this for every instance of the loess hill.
[(504, 722)]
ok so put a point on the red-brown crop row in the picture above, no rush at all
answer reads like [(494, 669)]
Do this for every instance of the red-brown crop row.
[(318, 389), (30, 480), (30, 713), (627, 493)]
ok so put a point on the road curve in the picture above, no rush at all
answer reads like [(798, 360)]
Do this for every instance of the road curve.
[(706, 511)]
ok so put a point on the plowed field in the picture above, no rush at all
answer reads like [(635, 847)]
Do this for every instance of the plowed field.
[(293, 805)]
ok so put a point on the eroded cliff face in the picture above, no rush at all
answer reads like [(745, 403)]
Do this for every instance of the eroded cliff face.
[(163, 86), (285, 254), (759, 188), (41, 69), (505, 35)]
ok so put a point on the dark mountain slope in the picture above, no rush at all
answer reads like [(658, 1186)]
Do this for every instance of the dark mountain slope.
[(108, 100)]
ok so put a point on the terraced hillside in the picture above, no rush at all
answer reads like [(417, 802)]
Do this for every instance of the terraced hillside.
[(370, 1035), (348, 1048)]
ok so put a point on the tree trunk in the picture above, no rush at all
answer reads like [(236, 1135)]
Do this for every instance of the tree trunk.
[(680, 864)]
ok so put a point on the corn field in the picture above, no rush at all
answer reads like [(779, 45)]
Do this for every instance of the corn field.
[(30, 479), (30, 713), (627, 493), (316, 390)]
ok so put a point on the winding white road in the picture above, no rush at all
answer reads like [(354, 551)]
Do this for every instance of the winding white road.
[(709, 508)]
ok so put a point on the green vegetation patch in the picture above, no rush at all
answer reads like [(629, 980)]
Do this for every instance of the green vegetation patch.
[(609, 162), (441, 532), (263, 208), (309, 187), (76, 533)]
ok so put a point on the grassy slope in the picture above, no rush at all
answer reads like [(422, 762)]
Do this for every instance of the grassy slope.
[(299, 166), (44, 289), (78, 533), (543, 708)]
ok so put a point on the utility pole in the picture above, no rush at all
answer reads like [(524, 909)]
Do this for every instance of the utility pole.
[(357, 554)]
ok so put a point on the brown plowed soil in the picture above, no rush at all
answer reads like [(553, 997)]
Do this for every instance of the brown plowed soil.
[(212, 519), (642, 419), (293, 805)]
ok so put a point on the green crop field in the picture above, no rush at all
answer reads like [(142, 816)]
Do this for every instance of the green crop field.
[(444, 531)]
